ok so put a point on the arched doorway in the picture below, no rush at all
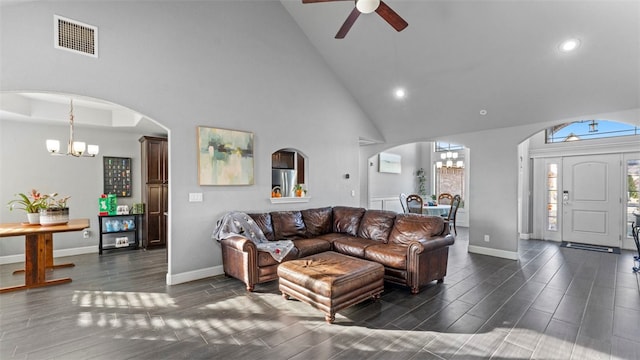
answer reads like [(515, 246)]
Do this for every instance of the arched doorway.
[(28, 119)]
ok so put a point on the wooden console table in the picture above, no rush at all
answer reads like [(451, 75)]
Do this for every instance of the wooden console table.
[(38, 251)]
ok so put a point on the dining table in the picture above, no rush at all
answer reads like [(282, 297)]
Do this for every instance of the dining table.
[(437, 210), (38, 251)]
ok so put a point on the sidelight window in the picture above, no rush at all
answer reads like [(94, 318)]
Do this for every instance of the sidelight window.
[(633, 186)]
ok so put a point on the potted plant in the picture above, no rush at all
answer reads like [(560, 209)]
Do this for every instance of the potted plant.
[(298, 190), (31, 203), (422, 183), (54, 210)]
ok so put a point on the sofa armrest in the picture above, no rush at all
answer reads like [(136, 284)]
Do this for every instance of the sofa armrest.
[(240, 243), (427, 261), (240, 259), (437, 242), (425, 245)]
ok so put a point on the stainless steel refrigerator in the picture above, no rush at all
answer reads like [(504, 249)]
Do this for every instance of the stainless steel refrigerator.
[(285, 179)]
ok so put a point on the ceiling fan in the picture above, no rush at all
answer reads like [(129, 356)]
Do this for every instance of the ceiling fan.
[(367, 7)]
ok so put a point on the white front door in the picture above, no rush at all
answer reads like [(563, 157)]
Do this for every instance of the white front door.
[(591, 203)]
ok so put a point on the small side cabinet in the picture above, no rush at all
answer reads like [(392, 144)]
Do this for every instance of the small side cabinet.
[(118, 232)]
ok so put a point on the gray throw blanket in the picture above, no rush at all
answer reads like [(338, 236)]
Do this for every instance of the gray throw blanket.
[(239, 223)]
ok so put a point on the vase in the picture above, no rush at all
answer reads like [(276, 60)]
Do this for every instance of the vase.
[(54, 216), (33, 218)]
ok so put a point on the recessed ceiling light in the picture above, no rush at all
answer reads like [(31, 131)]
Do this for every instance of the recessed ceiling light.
[(483, 112), (569, 45), (400, 93)]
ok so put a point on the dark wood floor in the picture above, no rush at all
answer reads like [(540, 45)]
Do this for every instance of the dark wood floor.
[(554, 303)]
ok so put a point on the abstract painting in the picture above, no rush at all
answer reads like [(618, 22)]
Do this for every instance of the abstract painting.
[(389, 163), (225, 157)]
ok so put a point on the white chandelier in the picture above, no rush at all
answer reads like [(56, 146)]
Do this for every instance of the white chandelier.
[(448, 159), (74, 148)]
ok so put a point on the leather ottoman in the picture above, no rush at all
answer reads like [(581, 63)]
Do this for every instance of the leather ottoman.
[(330, 281)]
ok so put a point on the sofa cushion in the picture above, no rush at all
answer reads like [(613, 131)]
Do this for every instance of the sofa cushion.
[(389, 255), (288, 225), (331, 237), (346, 220), (413, 227), (352, 245), (376, 225), (306, 247), (264, 223), (318, 221)]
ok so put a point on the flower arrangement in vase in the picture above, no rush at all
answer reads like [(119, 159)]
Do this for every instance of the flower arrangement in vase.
[(54, 210), (31, 204)]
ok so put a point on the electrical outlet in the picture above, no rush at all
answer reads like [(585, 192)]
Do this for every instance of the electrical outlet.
[(486, 238), (353, 193)]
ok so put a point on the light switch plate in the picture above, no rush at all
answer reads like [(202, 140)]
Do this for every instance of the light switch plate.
[(195, 197)]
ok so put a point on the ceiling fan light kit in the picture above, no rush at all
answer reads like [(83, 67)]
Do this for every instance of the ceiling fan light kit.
[(367, 7)]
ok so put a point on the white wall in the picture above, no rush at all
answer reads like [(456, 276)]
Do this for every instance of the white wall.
[(414, 156), (241, 65), (25, 164)]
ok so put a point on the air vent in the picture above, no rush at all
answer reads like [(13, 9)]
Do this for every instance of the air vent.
[(75, 36)]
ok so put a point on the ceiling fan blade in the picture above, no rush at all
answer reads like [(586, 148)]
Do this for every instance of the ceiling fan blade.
[(391, 17), (317, 1), (348, 24)]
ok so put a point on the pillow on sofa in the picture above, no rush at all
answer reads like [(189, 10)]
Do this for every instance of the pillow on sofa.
[(288, 225), (413, 227), (264, 222), (318, 221), (346, 220), (376, 225)]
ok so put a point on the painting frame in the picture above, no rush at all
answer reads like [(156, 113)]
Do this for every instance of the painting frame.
[(389, 163), (116, 174), (225, 157)]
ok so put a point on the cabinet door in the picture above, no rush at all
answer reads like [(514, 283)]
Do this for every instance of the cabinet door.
[(163, 218), (156, 223), (156, 159)]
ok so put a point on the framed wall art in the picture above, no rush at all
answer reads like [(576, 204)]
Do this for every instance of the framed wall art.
[(389, 163), (117, 176), (225, 157)]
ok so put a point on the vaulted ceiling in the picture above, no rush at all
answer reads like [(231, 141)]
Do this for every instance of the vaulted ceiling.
[(460, 59), (457, 58)]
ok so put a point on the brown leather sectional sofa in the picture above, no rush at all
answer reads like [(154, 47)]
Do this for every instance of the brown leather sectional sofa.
[(412, 248)]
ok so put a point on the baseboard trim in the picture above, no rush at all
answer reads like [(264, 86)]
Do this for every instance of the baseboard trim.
[(11, 259), (493, 252), (75, 251), (19, 258), (525, 236), (194, 275)]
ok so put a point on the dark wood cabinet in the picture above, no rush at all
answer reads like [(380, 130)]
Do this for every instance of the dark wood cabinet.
[(156, 224), (155, 185), (154, 160)]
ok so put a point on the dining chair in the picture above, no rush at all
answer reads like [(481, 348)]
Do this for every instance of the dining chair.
[(414, 204), (445, 199), (403, 202), (453, 210)]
